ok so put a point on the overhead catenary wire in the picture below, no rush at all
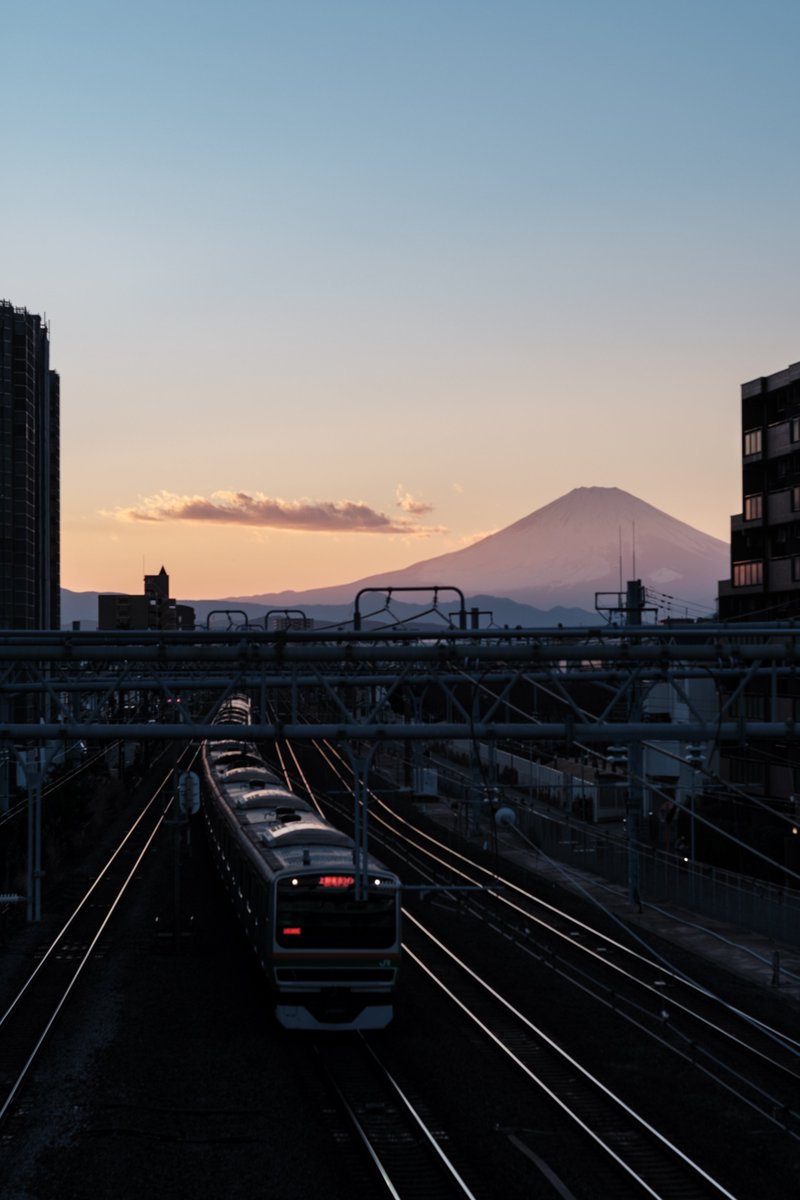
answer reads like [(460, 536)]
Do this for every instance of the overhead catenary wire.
[(656, 790)]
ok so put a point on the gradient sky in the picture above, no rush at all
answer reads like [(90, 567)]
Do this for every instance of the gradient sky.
[(335, 285)]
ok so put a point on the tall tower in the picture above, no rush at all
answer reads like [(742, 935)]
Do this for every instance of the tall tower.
[(30, 540)]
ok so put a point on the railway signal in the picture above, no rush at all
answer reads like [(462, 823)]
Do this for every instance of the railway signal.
[(188, 793)]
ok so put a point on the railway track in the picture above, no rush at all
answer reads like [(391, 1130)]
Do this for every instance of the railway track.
[(406, 1151), (753, 1063), (647, 1162), (31, 1014), (749, 1058), (526, 1138)]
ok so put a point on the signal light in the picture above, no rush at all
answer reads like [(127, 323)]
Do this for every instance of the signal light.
[(292, 931)]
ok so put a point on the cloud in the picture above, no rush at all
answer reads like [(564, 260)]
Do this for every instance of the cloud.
[(266, 512), (410, 504)]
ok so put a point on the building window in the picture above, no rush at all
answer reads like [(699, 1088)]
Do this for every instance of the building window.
[(746, 771), (795, 499), (754, 507), (748, 574), (796, 569), (752, 441), (794, 429)]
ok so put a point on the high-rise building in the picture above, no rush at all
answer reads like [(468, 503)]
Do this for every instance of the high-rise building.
[(765, 586), (30, 539), (765, 536)]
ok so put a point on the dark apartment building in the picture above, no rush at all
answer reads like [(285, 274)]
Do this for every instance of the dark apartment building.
[(154, 609), (765, 536), (765, 586), (30, 583)]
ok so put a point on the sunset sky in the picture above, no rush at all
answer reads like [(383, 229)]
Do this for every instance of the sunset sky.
[(335, 286)]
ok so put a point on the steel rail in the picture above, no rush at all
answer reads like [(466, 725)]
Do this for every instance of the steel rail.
[(387, 1133), (614, 1151), (501, 889), (432, 1142), (764, 1104), (86, 957)]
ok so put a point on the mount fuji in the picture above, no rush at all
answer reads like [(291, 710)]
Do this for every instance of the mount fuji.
[(590, 540)]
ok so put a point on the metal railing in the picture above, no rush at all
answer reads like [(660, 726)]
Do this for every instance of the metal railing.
[(665, 878)]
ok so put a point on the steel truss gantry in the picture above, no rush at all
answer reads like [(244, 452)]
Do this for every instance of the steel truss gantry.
[(364, 688), (393, 684)]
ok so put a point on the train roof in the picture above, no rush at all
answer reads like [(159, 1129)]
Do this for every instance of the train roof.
[(258, 773), (271, 798), (299, 833), (286, 831), (234, 758), (289, 840), (215, 748)]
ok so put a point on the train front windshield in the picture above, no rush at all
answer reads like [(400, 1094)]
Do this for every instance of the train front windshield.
[(321, 912)]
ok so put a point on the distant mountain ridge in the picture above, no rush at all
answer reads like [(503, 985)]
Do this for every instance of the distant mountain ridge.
[(590, 540), (542, 570)]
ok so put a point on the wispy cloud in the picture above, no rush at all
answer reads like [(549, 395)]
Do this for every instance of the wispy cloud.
[(411, 504), (240, 508)]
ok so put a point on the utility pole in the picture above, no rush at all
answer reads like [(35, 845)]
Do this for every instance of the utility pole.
[(631, 607), (634, 606), (34, 768)]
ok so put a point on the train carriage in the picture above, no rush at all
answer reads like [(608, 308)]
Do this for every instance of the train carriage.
[(331, 959)]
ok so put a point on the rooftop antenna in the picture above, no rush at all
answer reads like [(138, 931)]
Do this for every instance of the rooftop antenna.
[(620, 558), (633, 540)]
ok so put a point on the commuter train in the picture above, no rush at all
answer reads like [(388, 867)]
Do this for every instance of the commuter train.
[(331, 959)]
